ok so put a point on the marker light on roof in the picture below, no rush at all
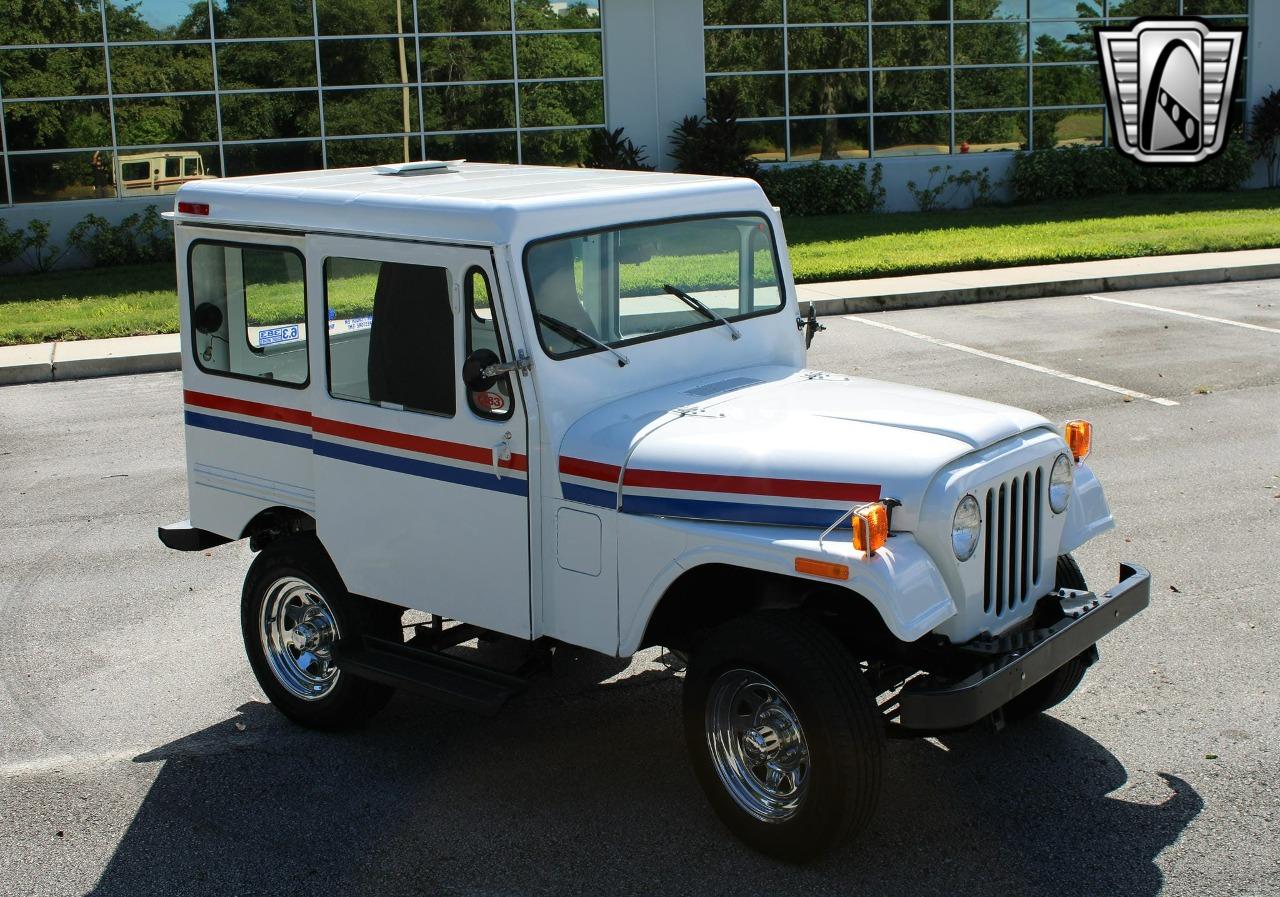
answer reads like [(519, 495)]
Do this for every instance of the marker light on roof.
[(193, 208)]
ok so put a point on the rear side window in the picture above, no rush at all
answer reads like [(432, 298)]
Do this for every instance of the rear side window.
[(390, 335), (248, 311)]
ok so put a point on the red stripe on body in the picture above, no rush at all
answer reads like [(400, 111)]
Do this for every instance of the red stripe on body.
[(252, 409), (421, 444), (591, 470)]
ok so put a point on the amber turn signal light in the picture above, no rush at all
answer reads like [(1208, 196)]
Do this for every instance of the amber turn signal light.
[(1079, 436), (822, 568), (870, 527)]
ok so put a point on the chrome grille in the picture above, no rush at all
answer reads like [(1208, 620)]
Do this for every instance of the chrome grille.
[(1014, 522)]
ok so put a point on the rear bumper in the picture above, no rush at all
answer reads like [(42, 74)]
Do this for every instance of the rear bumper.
[(1020, 661), (185, 537)]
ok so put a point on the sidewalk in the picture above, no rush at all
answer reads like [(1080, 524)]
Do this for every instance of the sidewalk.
[(146, 354)]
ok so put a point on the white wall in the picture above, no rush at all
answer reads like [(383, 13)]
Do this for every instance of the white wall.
[(62, 216)]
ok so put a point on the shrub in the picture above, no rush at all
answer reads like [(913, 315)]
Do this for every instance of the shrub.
[(144, 237), (609, 149), (1264, 134), (714, 143), (823, 188), (11, 244), (1073, 172)]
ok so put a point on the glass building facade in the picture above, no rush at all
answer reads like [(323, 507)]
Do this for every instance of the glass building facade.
[(106, 99), (830, 79)]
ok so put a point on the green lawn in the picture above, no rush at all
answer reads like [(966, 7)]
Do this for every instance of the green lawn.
[(138, 300)]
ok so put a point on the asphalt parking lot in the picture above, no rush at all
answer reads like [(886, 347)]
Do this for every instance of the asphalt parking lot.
[(138, 757)]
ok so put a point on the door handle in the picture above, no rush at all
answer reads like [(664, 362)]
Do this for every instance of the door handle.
[(501, 452)]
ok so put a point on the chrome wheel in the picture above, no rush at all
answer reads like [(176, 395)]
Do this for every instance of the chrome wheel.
[(757, 745), (299, 630)]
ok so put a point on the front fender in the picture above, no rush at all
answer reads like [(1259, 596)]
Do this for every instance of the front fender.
[(900, 581), (1088, 514)]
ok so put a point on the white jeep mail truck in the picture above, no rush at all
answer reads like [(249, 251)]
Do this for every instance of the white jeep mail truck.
[(560, 407)]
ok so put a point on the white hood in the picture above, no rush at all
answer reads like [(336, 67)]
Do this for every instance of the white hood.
[(769, 445)]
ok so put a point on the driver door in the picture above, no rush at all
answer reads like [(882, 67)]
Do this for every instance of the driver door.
[(422, 492)]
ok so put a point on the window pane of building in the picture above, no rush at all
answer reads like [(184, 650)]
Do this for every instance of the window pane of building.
[(385, 60), (827, 48), (476, 147), (157, 20), (481, 58), (1067, 85), (751, 96), (280, 18), (1063, 42), (1118, 8), (390, 110), (153, 122), (1066, 9), (469, 107), (742, 12), (264, 65), (161, 68), (60, 176), (747, 50), (799, 11), (828, 138), (62, 72), (990, 9), (66, 124), (559, 55), (984, 132), (264, 116), (902, 45), (373, 151), (63, 23), (266, 158), (991, 88), (447, 16), (916, 11), (912, 135), (562, 103), (995, 43), (554, 147), (1065, 127), (368, 17), (831, 93), (538, 15), (766, 139), (922, 90), (1215, 7)]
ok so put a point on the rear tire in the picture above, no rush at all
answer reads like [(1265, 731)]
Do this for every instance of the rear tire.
[(783, 733), (294, 611), (1058, 685)]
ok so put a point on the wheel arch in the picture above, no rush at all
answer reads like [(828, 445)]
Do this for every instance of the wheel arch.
[(271, 523)]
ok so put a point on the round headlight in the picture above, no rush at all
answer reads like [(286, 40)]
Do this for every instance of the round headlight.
[(966, 526), (1060, 480)]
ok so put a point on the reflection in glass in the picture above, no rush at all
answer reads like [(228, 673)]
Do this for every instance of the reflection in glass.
[(253, 18), (995, 43), (828, 138), (385, 60), (59, 176), (69, 124), (562, 103), (70, 23), (469, 107), (157, 20), (268, 158), (257, 116), (390, 110), (379, 17), (827, 48), (1215, 7), (555, 147), (161, 68), (917, 11), (898, 45), (1117, 8), (911, 91), (266, 65), (766, 140), (738, 12), (559, 55), (1063, 41), (758, 96), (1066, 9), (447, 16), (912, 135), (754, 50), (990, 9), (1067, 127), (829, 93), (539, 15), (481, 58), (1067, 85), (163, 120), (70, 72), (373, 151), (826, 11), (991, 88), (475, 147), (985, 132), (160, 170)]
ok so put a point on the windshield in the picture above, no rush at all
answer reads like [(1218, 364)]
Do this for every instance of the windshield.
[(610, 285)]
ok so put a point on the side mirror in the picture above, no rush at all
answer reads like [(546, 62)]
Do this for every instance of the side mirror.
[(810, 326), (473, 370), (207, 318)]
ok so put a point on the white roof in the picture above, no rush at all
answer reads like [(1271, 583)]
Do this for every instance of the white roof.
[(468, 202)]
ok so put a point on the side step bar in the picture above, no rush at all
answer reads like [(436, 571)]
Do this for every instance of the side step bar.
[(439, 677)]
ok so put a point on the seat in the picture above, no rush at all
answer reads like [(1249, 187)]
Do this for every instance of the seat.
[(411, 339)]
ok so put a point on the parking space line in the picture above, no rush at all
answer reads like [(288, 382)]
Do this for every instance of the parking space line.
[(1187, 314), (1038, 368)]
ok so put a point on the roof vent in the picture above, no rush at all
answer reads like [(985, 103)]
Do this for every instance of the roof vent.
[(428, 166)]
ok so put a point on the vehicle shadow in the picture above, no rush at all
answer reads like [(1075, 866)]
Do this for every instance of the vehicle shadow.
[(587, 790)]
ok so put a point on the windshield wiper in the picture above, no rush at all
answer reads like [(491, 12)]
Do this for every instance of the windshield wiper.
[(568, 331), (698, 306)]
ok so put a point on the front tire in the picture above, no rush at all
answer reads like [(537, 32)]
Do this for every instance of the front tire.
[(294, 611), (1058, 685), (784, 734)]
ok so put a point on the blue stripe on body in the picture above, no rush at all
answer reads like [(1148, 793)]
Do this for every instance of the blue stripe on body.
[(244, 428), (601, 498), (730, 511), (509, 484)]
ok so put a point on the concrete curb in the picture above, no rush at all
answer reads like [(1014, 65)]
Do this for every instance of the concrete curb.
[(148, 354)]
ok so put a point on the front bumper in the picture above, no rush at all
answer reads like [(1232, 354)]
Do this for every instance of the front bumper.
[(1021, 660)]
